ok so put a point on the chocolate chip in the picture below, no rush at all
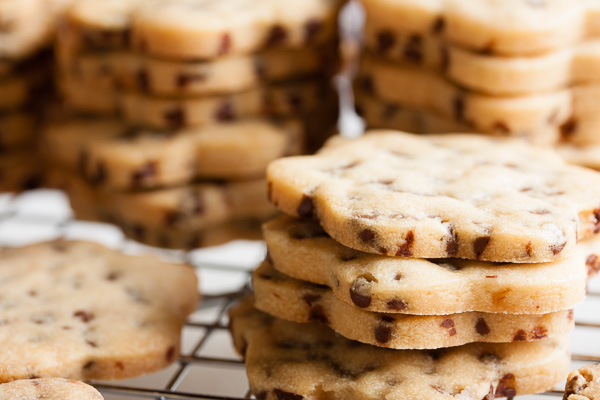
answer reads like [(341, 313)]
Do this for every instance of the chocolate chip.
[(596, 216), (397, 304), (385, 41), (557, 248), (490, 395), (520, 336), (225, 45), (368, 236), (91, 343), (568, 128), (277, 35), (295, 101), (175, 118), (119, 365), (491, 276), (170, 354), (528, 249), (143, 80), (501, 127), (506, 386), (452, 243), (458, 105), (172, 218), (317, 313), (225, 112), (413, 51), (438, 25), (398, 277), (539, 332), (360, 292), (183, 80), (482, 327), (99, 175), (570, 315), (480, 244), (383, 333), (593, 264), (405, 249), (449, 324), (113, 276), (141, 175), (83, 315), (281, 395), (311, 29), (306, 209)]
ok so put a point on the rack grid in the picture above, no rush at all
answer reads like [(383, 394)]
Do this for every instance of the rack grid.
[(208, 368)]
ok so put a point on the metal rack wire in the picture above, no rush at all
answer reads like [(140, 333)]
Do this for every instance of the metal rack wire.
[(208, 367)]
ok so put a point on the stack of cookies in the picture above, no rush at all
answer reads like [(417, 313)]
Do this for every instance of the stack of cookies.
[(190, 100), (521, 68), (447, 266), (26, 30)]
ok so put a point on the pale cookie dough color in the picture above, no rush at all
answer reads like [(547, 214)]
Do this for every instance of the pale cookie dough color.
[(583, 384), (82, 311), (286, 360), (449, 196), (48, 389)]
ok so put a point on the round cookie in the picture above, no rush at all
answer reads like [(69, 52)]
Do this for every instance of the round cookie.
[(445, 196), (49, 389), (288, 360), (302, 250), (301, 301)]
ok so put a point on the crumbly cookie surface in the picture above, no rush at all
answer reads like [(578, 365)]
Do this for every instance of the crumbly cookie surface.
[(583, 384), (449, 196)]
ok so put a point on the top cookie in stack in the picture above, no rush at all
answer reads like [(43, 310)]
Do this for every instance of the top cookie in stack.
[(415, 243), (520, 68), (193, 98)]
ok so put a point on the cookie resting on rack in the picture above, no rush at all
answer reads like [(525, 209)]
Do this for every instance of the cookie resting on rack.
[(48, 389), (287, 360), (79, 310), (302, 250), (447, 196)]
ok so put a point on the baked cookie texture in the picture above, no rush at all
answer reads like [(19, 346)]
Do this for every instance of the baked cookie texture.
[(74, 309), (48, 388), (583, 384)]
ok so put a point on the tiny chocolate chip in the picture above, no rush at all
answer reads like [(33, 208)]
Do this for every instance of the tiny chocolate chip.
[(91, 343), (596, 215), (539, 332), (317, 313), (141, 175), (170, 354), (438, 25), (506, 386), (184, 79), (405, 249), (490, 395), (383, 333), (397, 277), (277, 35), (482, 327), (480, 244), (501, 127), (359, 293), (570, 315), (282, 395), (459, 107), (85, 316), (397, 304), (367, 235), (448, 323), (306, 209), (175, 118), (311, 29), (557, 248), (593, 264), (385, 41), (528, 249), (520, 336), (452, 243), (568, 128)]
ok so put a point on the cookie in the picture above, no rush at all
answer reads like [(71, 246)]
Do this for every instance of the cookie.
[(191, 207), (289, 360), (17, 130), (508, 28), (110, 154), (78, 307), (587, 156), (418, 88), (94, 98), (447, 196), (301, 301), (134, 71), (302, 250), (18, 172), (206, 29), (583, 384), (48, 388)]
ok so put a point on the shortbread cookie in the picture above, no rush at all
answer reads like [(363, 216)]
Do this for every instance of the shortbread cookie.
[(18, 172), (49, 389), (302, 250), (191, 207), (82, 311), (225, 75), (513, 27), (418, 88), (463, 196), (17, 130), (583, 384), (292, 361), (300, 301), (205, 29), (110, 154)]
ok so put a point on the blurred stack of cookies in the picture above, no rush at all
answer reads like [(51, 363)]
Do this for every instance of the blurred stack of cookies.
[(26, 32), (462, 255), (179, 106), (520, 68)]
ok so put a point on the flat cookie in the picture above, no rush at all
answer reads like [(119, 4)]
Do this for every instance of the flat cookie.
[(301, 301), (583, 384), (522, 115), (73, 309), (465, 196), (191, 207), (49, 389), (293, 361), (108, 153), (302, 250), (134, 71), (509, 28)]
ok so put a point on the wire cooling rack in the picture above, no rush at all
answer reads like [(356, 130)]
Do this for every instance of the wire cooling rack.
[(208, 367)]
